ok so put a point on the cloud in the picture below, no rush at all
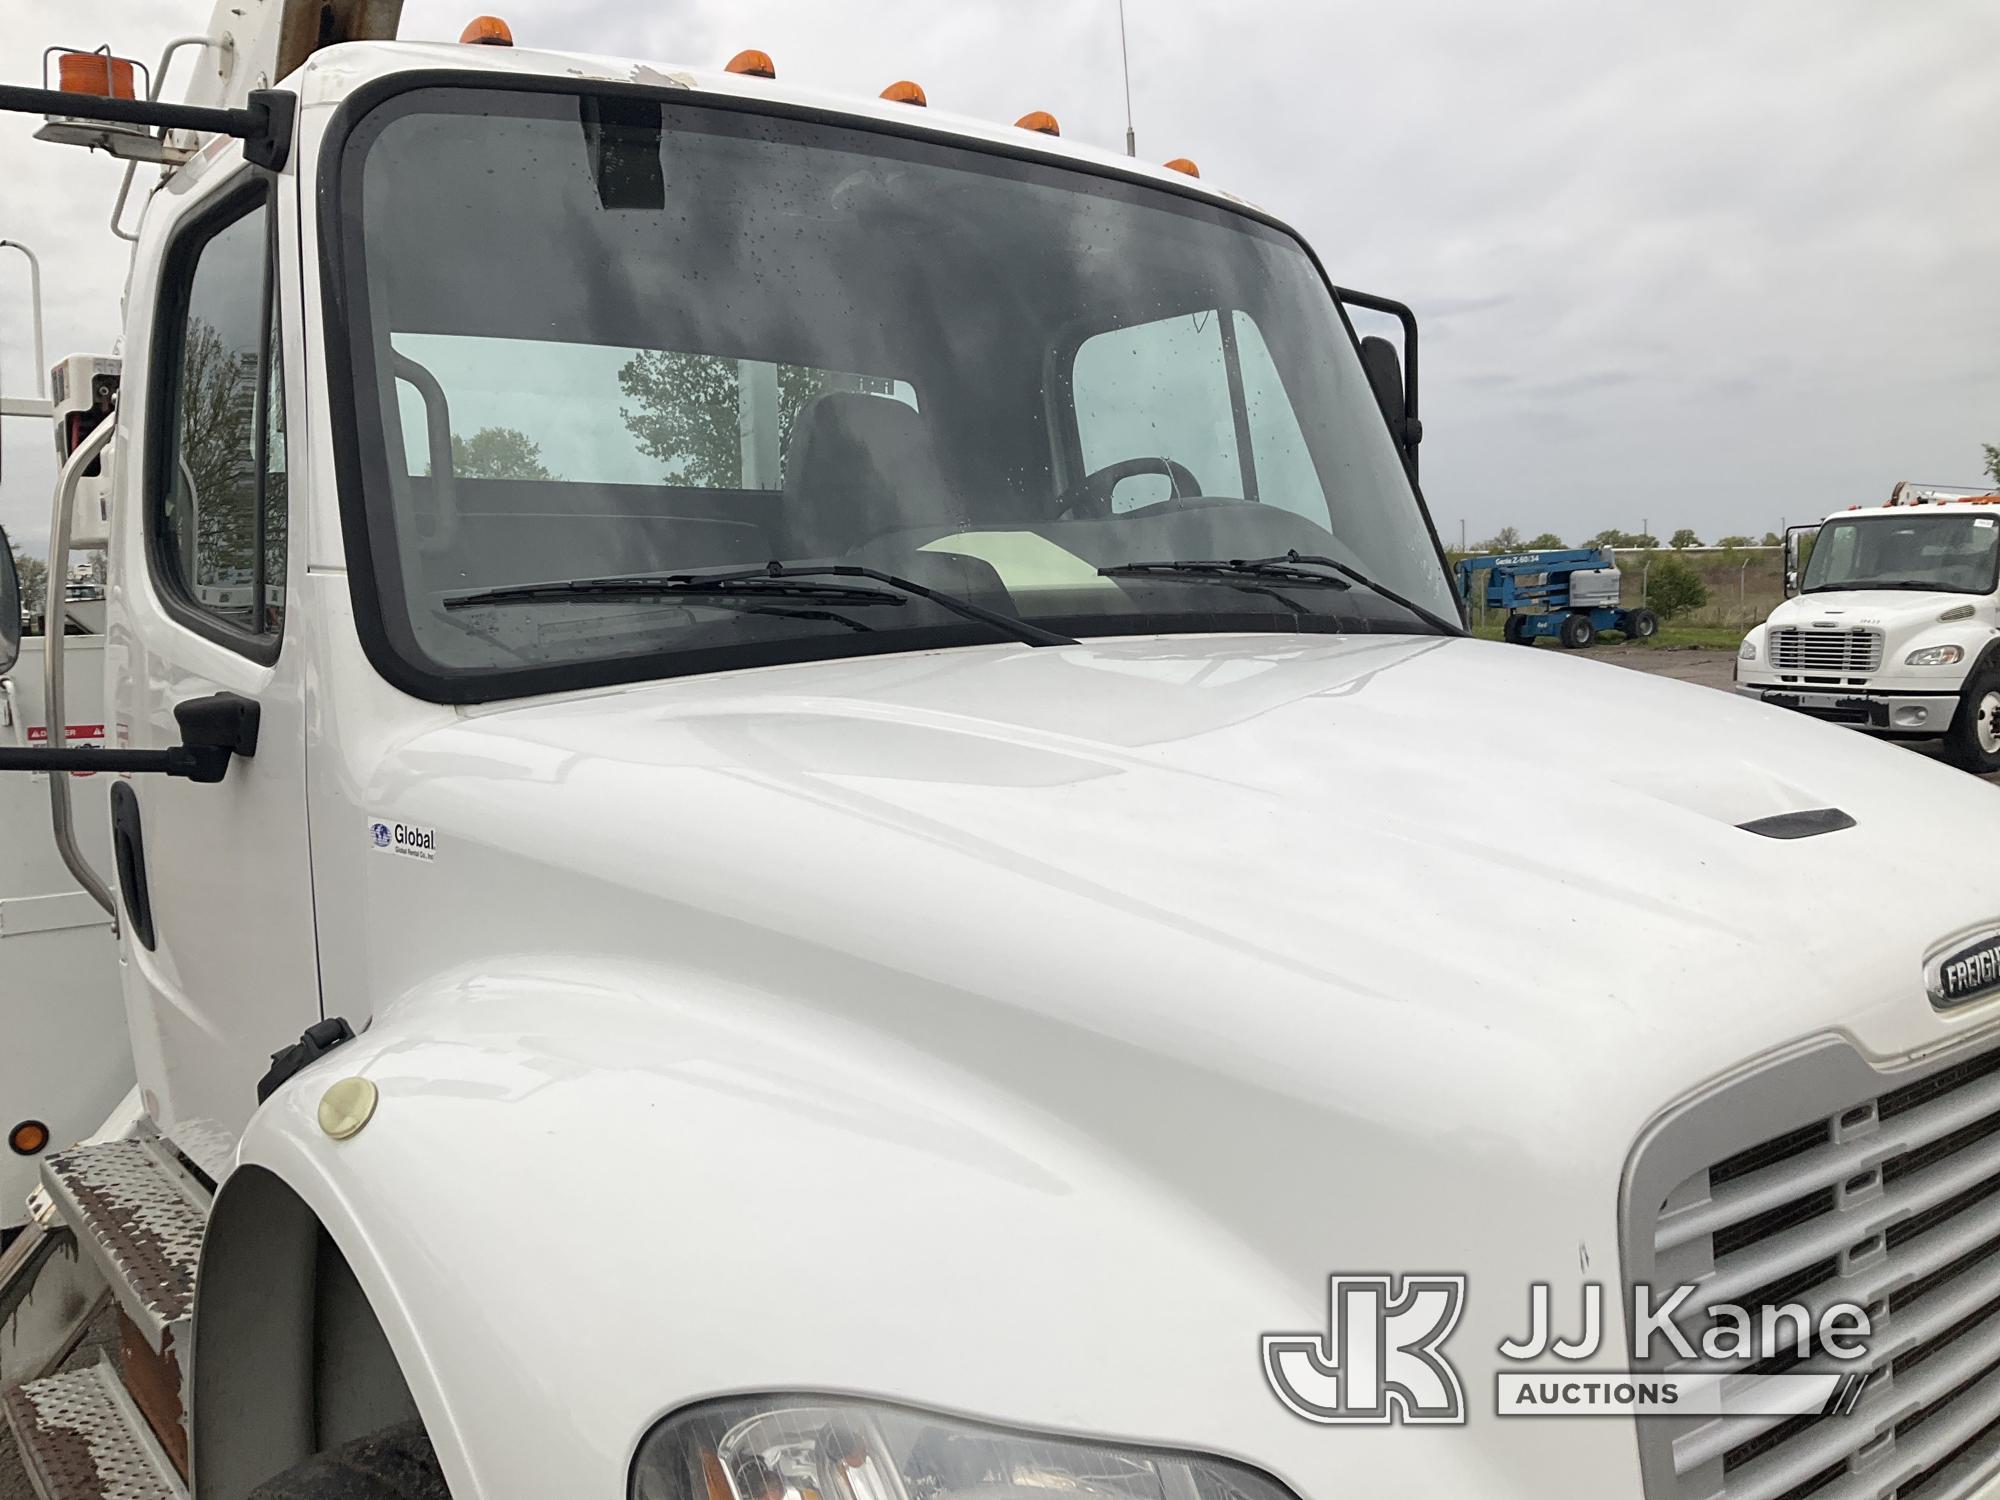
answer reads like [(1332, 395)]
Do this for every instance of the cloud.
[(1710, 263)]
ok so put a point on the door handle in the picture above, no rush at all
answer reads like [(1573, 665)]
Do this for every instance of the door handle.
[(128, 850)]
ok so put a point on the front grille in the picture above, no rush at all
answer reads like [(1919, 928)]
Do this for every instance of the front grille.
[(1832, 653), (1888, 1197)]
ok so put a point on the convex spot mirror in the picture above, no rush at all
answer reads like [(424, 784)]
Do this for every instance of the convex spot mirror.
[(10, 607)]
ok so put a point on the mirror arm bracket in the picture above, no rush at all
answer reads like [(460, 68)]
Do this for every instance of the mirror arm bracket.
[(213, 732), (224, 724), (205, 764)]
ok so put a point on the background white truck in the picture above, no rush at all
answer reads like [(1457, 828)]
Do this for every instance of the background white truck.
[(64, 1060), (1893, 624), (791, 816)]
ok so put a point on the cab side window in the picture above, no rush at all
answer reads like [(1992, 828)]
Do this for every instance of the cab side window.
[(1157, 390), (1201, 392), (219, 517)]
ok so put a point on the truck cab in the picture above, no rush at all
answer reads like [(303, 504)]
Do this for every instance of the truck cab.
[(799, 808), (1893, 624)]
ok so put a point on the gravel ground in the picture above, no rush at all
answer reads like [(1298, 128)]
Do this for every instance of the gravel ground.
[(13, 1479), (1716, 669)]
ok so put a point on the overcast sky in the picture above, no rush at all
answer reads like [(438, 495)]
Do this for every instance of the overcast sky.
[(1700, 262)]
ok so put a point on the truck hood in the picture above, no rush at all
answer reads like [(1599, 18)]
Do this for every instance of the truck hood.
[(1087, 1007), (1892, 608), (1372, 822)]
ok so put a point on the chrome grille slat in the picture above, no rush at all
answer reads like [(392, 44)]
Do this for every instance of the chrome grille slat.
[(1896, 1209), (1931, 1444), (1833, 1232), (1846, 653), (1945, 1306), (1827, 1442), (1930, 1252), (1827, 1166)]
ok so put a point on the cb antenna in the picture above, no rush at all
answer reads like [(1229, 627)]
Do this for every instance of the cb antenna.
[(1125, 56)]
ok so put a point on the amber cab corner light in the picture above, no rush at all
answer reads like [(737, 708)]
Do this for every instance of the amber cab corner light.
[(752, 64), (30, 1137), (905, 92), (95, 73), (487, 31), (1039, 120), (1182, 164)]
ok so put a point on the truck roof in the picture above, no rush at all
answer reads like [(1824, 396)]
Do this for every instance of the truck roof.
[(1960, 506), (332, 74)]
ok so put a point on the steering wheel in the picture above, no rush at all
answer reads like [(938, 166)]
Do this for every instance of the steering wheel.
[(1090, 497)]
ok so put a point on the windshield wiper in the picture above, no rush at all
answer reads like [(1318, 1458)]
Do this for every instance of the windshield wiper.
[(1293, 567), (773, 580)]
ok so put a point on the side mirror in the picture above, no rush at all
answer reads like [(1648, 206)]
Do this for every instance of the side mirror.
[(10, 607), (1395, 388), (1798, 551), (1385, 377)]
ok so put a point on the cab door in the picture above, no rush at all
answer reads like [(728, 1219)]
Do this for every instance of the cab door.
[(216, 898)]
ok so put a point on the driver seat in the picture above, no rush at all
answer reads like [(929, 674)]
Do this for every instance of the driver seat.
[(859, 465)]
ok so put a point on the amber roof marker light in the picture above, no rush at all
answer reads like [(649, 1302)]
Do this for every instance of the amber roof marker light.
[(752, 63), (1039, 120), (905, 92), (1182, 164), (487, 31)]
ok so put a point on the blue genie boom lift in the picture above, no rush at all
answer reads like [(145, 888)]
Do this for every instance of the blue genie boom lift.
[(1571, 594)]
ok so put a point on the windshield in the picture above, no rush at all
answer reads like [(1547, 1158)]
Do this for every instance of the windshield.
[(607, 336), (1954, 553)]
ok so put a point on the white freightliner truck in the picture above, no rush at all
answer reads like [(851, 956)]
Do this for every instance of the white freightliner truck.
[(1891, 623), (798, 812)]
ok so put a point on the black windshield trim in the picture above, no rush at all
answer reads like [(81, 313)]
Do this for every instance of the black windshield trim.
[(1877, 586), (1992, 577), (343, 303)]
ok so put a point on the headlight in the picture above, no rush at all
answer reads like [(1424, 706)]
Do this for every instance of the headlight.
[(1935, 656), (1747, 651), (817, 1448)]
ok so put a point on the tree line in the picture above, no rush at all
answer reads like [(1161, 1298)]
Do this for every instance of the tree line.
[(1509, 539)]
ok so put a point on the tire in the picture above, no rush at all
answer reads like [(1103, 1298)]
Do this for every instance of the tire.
[(1577, 632), (396, 1463), (1973, 742), (1511, 632), (1641, 625)]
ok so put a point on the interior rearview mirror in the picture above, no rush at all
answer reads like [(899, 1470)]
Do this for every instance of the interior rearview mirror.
[(10, 607)]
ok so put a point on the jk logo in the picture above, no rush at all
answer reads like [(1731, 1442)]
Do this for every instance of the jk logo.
[(1380, 1359)]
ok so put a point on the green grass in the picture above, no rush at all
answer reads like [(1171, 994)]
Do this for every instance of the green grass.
[(1670, 637)]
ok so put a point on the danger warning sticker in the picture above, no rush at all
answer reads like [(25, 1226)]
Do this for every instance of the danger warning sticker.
[(76, 737)]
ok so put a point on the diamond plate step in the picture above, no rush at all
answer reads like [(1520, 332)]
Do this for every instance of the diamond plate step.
[(139, 1215), (81, 1438)]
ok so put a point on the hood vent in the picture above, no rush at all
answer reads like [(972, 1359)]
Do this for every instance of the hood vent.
[(1799, 825)]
